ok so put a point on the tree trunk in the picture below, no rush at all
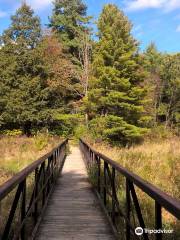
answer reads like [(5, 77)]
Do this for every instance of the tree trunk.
[(27, 129)]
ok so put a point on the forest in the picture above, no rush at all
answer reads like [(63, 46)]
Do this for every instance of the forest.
[(69, 79), (74, 78)]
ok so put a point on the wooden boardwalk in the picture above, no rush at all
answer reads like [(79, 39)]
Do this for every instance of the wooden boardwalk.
[(73, 211)]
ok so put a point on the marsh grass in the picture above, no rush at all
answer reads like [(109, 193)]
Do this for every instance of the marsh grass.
[(156, 162), (18, 152), (15, 154)]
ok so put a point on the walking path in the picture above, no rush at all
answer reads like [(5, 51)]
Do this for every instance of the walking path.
[(73, 211)]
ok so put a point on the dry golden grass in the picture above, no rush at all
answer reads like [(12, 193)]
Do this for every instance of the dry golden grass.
[(159, 164), (17, 152), (156, 162)]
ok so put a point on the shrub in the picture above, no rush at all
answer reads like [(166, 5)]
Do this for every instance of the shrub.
[(12, 133), (160, 133), (41, 140), (65, 124), (115, 130), (80, 131)]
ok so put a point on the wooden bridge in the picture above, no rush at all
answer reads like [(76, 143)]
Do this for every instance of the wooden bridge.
[(53, 199)]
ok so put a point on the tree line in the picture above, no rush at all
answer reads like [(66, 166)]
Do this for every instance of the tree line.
[(62, 78)]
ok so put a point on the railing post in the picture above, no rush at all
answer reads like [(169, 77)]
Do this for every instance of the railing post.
[(8, 225), (138, 209), (23, 210), (44, 180), (113, 194), (35, 196), (105, 182), (133, 181), (1, 218), (128, 209), (48, 175), (52, 168), (158, 220), (99, 173)]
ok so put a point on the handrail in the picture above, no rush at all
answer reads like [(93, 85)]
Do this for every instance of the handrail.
[(45, 172), (161, 199), (19, 177)]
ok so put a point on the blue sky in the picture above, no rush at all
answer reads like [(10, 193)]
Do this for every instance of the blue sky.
[(153, 20)]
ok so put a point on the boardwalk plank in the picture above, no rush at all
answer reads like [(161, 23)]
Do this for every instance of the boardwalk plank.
[(73, 211)]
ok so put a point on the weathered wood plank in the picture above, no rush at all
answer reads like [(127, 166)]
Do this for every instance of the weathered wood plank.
[(73, 211)]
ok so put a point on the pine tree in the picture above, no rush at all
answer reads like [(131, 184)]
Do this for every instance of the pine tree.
[(69, 22), (23, 73), (25, 29), (153, 64), (116, 86), (170, 104)]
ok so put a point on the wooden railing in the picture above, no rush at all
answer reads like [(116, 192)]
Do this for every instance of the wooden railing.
[(118, 190), (24, 197)]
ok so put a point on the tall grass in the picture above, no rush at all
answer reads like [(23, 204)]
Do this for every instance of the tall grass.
[(18, 152), (159, 164), (156, 162), (15, 154)]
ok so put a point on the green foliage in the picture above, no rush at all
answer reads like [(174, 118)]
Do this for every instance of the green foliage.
[(116, 86), (65, 124), (92, 174), (41, 140), (160, 133), (80, 131), (12, 133), (152, 59), (115, 130), (25, 29), (171, 88), (69, 21), (163, 86), (45, 81), (70, 24), (23, 73)]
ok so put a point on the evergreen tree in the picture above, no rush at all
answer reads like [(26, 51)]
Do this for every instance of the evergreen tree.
[(70, 23), (153, 65), (169, 109), (23, 73), (25, 29), (116, 87)]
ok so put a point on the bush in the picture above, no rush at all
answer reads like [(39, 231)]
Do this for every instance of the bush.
[(65, 124), (160, 133), (12, 133), (80, 131), (41, 140), (115, 131)]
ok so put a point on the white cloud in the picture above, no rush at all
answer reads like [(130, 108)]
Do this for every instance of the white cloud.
[(178, 28), (166, 5), (2, 14), (137, 31), (137, 28), (172, 5)]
